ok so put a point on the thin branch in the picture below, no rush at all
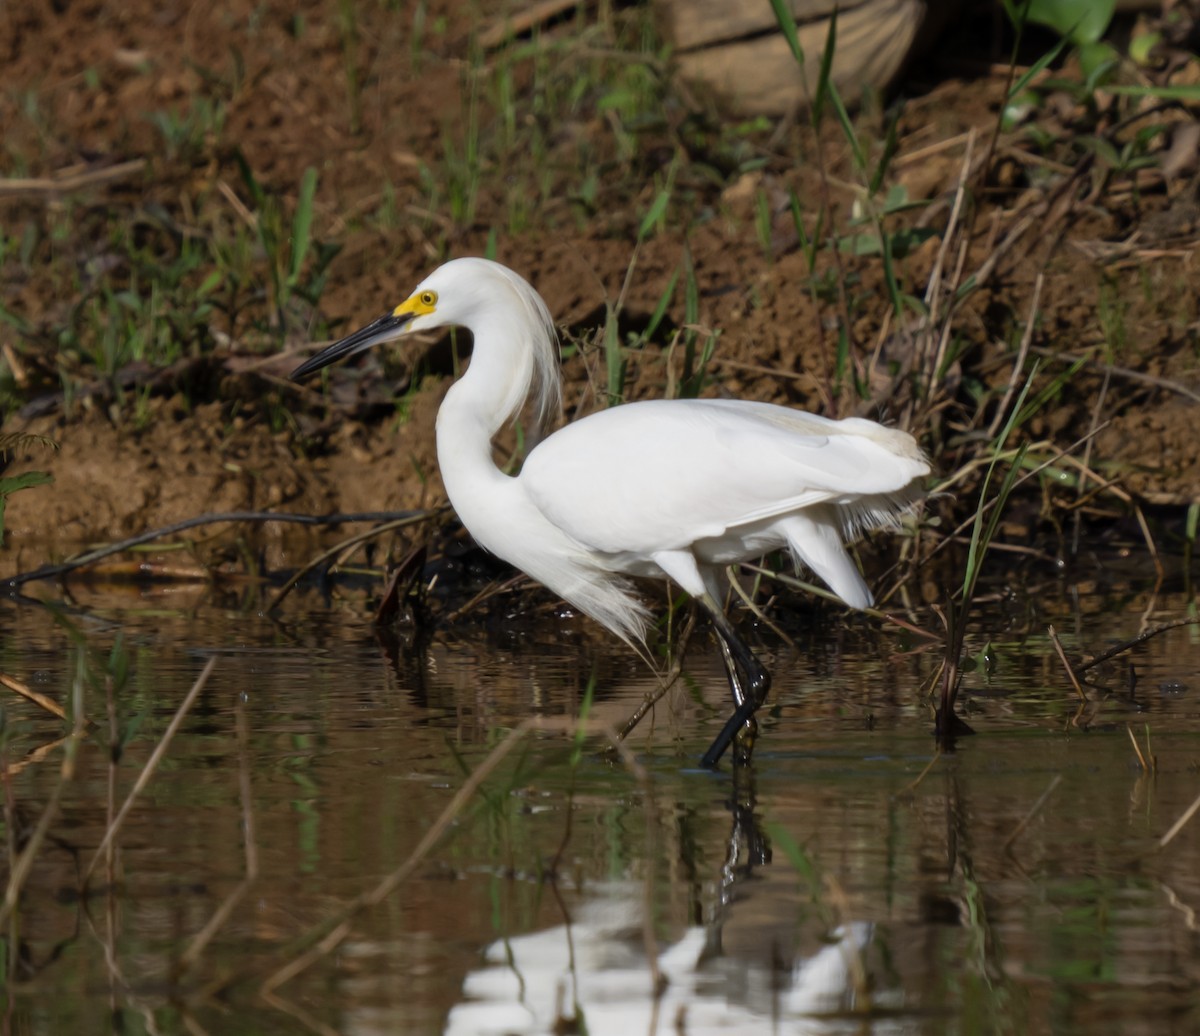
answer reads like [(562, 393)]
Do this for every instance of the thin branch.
[(1066, 665), (67, 181), (1104, 656), (1033, 812), (333, 931), (1179, 824), (52, 571), (39, 699), (410, 518), (151, 764), (250, 852)]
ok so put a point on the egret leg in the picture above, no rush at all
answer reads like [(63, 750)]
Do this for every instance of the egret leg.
[(749, 683)]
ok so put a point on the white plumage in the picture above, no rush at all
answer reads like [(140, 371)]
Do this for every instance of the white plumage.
[(675, 487)]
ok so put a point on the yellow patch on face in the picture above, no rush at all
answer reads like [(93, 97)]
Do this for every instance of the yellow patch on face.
[(418, 305)]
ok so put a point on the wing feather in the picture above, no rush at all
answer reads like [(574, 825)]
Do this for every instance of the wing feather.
[(663, 474)]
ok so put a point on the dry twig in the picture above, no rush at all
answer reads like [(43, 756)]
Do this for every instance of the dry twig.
[(151, 764), (1033, 812)]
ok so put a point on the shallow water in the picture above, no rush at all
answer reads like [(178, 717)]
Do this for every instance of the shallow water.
[(825, 890)]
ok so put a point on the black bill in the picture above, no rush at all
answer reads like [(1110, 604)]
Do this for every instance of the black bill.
[(382, 330)]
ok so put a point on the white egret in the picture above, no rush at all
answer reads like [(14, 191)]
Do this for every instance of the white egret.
[(681, 487)]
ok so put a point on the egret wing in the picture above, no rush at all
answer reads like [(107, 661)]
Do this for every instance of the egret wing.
[(661, 475)]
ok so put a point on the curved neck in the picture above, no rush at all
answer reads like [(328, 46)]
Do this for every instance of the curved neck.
[(498, 378), (474, 409)]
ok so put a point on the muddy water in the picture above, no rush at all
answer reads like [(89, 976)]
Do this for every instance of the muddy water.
[(827, 890)]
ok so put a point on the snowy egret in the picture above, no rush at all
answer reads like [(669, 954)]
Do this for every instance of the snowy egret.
[(681, 487)]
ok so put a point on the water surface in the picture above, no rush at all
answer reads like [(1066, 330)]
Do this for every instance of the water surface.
[(827, 889)]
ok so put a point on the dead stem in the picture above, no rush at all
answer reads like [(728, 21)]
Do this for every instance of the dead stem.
[(414, 518), (21, 866), (1033, 812), (35, 756), (908, 789), (665, 683), (53, 571), (331, 932), (148, 770), (1137, 749), (1188, 912), (69, 180), (24, 862), (1180, 824), (759, 614), (1150, 546), (1081, 489), (491, 590), (250, 853), (49, 704), (1121, 372), (1145, 635), (1019, 365), (935, 291), (1066, 665)]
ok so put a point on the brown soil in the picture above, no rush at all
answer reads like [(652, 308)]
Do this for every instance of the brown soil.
[(229, 433)]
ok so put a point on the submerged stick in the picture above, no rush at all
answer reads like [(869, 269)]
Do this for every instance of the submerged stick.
[(151, 764), (24, 863), (407, 518), (1066, 665), (49, 704), (330, 933), (1033, 812), (250, 853), (1137, 749), (664, 684), (1179, 824), (1145, 635), (912, 786)]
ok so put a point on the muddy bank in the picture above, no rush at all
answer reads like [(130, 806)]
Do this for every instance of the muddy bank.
[(724, 263)]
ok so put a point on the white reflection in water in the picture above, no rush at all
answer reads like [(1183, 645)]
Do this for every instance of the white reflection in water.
[(592, 976)]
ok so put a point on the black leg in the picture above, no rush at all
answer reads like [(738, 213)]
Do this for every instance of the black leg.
[(749, 683)]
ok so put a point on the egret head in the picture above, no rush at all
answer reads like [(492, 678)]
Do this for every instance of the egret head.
[(489, 299), (419, 310)]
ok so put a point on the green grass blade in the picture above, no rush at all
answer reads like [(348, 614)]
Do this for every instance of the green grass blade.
[(787, 25), (655, 213), (660, 310), (824, 81), (891, 142), (1036, 68), (302, 224)]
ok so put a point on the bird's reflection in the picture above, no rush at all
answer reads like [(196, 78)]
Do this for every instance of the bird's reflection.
[(750, 965)]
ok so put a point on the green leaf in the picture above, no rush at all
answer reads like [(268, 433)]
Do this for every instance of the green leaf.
[(1187, 92), (824, 82), (656, 212), (302, 223), (1097, 61), (11, 483), (1037, 67), (787, 25), (660, 310), (1080, 21)]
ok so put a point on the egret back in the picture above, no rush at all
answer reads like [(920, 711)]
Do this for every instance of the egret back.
[(666, 474)]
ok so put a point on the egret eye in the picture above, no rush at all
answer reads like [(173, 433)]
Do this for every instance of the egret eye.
[(428, 298)]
